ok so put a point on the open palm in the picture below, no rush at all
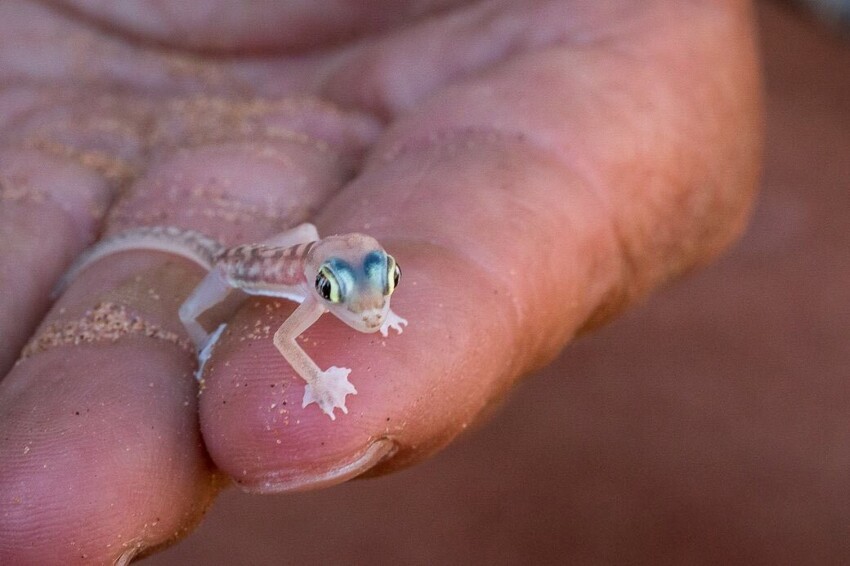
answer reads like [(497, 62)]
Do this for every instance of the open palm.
[(535, 167)]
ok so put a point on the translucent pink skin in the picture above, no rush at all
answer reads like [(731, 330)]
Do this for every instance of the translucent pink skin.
[(521, 218)]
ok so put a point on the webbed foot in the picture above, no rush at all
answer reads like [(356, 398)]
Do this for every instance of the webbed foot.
[(329, 391), (393, 321)]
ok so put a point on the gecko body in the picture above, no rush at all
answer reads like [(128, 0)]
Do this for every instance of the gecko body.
[(348, 275)]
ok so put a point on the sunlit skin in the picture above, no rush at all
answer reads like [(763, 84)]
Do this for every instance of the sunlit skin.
[(536, 167)]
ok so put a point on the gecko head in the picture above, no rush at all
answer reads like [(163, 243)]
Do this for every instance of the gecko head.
[(354, 277)]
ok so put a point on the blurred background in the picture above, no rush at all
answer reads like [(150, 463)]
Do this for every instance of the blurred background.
[(710, 424)]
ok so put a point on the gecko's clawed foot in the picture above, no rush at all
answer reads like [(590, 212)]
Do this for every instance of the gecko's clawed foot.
[(393, 321), (329, 391), (206, 350)]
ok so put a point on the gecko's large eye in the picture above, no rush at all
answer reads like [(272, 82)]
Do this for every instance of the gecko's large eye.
[(327, 286), (393, 275)]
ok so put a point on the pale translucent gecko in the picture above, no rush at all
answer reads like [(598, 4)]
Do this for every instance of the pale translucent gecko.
[(349, 275)]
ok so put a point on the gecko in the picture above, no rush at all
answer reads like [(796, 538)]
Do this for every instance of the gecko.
[(349, 275)]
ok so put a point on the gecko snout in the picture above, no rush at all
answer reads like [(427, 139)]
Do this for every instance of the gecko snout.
[(373, 317)]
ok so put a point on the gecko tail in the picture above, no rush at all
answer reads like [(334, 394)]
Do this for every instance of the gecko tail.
[(189, 244)]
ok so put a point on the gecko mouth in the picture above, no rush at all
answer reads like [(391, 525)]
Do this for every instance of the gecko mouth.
[(372, 318)]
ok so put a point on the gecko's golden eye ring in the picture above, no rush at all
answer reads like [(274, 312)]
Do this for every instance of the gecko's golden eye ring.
[(393, 275), (327, 286)]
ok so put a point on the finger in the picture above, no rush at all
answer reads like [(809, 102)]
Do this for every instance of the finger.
[(102, 407), (65, 152), (40, 195), (520, 218), (636, 108), (63, 157), (55, 49), (258, 27)]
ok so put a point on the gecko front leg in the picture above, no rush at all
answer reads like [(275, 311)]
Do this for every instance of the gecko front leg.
[(327, 388)]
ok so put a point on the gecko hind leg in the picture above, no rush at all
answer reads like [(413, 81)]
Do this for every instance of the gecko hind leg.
[(212, 290), (206, 350)]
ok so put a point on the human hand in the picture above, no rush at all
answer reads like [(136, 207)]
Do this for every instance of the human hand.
[(534, 169)]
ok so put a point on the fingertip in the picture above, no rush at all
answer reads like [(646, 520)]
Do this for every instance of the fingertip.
[(415, 391), (260, 425), (98, 463)]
